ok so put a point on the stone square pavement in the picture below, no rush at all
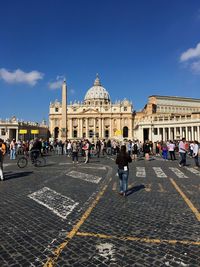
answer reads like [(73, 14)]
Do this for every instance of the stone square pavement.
[(68, 214)]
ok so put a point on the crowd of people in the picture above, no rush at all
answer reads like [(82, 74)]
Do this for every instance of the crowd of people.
[(88, 149)]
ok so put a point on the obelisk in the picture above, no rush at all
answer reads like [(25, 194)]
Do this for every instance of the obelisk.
[(64, 111)]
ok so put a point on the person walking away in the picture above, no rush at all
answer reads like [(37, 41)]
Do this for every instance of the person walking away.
[(13, 149), (103, 147), (69, 148), (74, 152), (182, 152), (171, 149), (157, 149), (196, 154), (135, 151), (146, 149), (98, 148), (191, 147), (2, 153), (164, 152), (109, 148), (86, 149), (122, 161), (129, 146)]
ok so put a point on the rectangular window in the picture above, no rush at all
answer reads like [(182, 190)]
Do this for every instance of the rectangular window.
[(3, 131), (56, 109)]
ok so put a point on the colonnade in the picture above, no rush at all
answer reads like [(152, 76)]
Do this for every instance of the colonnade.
[(191, 133)]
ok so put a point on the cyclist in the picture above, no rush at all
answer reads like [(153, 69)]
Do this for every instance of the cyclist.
[(36, 149)]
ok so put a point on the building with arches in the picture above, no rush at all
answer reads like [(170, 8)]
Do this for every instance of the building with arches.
[(95, 117), (162, 118)]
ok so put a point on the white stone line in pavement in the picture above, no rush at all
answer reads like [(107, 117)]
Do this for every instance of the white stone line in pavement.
[(159, 172), (61, 205), (178, 173), (85, 176), (107, 251), (140, 172), (96, 168), (192, 170), (8, 164)]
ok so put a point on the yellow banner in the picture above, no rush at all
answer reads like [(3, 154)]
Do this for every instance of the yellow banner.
[(35, 131), (118, 132), (23, 131)]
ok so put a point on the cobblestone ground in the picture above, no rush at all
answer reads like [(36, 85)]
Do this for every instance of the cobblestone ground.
[(68, 214)]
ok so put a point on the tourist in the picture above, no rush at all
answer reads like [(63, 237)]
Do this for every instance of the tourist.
[(86, 149), (123, 171), (2, 153), (146, 149), (164, 152), (75, 152), (130, 148), (182, 152), (13, 146), (171, 149), (196, 153), (98, 148), (135, 151)]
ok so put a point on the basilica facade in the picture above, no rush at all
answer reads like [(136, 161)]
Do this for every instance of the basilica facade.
[(162, 118)]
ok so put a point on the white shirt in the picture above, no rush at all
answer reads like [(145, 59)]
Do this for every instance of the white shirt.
[(195, 150), (171, 147)]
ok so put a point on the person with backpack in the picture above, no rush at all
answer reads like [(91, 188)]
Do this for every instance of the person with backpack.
[(135, 151), (122, 161), (74, 151)]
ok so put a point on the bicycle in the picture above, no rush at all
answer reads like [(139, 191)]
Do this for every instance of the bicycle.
[(34, 157)]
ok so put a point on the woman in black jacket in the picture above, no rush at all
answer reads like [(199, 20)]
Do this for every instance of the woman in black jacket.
[(122, 160)]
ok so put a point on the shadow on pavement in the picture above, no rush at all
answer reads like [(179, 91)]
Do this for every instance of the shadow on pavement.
[(13, 175), (134, 189)]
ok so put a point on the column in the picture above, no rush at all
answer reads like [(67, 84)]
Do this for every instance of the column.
[(111, 133), (70, 128), (100, 128), (94, 127), (192, 133), (181, 132), (186, 133), (169, 135), (78, 129), (198, 134), (86, 124), (81, 128), (17, 134), (164, 135), (131, 129)]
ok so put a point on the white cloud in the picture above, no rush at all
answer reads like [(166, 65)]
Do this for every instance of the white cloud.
[(191, 53), (55, 85), (72, 91), (195, 67), (19, 76)]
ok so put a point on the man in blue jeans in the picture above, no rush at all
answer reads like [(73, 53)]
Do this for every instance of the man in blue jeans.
[(182, 152), (122, 160)]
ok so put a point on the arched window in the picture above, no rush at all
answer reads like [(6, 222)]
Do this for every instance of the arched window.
[(125, 131), (75, 133)]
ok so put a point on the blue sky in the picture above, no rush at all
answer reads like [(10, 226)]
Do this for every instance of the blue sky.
[(139, 48)]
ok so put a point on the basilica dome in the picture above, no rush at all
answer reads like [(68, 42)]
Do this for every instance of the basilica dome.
[(97, 92)]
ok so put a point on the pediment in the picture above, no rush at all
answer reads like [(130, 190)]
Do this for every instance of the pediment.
[(90, 111)]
